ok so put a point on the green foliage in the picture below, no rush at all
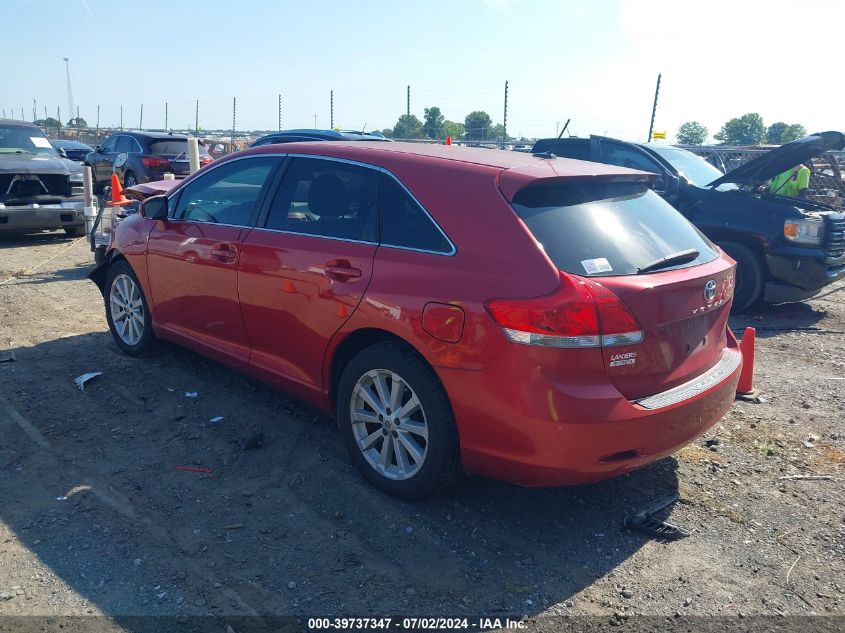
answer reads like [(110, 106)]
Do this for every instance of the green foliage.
[(780, 133), (793, 133), (48, 122), (748, 129), (387, 132), (453, 129), (77, 122), (692, 133), (498, 132), (408, 126), (478, 126), (433, 125)]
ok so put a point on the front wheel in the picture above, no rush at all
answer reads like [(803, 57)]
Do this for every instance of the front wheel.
[(396, 422), (73, 231), (127, 312), (750, 275)]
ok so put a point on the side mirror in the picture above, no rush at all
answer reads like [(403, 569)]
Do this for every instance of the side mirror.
[(62, 152), (154, 208), (673, 185), (99, 149)]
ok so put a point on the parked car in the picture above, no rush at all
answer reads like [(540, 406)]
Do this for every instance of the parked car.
[(299, 136), (786, 249), (74, 150), (39, 190), (141, 157), (542, 322)]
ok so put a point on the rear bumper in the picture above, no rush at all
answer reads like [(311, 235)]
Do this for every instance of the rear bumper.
[(42, 216), (536, 431)]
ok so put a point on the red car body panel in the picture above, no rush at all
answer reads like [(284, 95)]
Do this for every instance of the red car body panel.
[(282, 307)]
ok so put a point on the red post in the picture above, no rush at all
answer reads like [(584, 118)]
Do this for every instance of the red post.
[(448, 140), (746, 376)]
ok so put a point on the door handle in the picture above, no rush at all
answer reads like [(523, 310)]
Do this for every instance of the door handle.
[(341, 270), (224, 252)]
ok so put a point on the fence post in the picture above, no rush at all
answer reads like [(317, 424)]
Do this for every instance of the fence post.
[(408, 104), (141, 120), (331, 110), (280, 112), (505, 117)]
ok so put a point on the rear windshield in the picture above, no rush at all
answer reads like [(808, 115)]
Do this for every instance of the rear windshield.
[(608, 229), (174, 147)]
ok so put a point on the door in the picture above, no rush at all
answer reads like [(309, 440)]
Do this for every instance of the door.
[(102, 163), (125, 146), (193, 257), (631, 156), (304, 272)]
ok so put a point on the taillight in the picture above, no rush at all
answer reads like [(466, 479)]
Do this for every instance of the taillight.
[(580, 313), (156, 162), (205, 160)]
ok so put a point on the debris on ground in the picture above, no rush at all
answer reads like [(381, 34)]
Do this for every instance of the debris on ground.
[(644, 521), (194, 469), (81, 380)]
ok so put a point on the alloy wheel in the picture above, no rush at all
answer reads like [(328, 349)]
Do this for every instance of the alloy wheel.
[(127, 309), (389, 424)]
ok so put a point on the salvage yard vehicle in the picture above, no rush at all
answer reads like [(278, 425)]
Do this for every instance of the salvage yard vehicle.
[(786, 249), (141, 157), (39, 190), (540, 322), (302, 136), (74, 150)]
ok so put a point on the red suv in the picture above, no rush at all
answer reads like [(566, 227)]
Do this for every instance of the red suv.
[(539, 320)]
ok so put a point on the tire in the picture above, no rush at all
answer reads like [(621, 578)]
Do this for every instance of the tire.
[(120, 281), (100, 255), (129, 180), (434, 438), (750, 275), (74, 231)]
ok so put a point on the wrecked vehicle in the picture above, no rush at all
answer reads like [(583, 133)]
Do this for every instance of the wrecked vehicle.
[(39, 190), (786, 249)]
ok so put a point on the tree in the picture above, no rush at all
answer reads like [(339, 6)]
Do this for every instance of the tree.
[(408, 126), (77, 122), (775, 133), (793, 133), (48, 122), (453, 129), (387, 132), (478, 126), (748, 129), (691, 133), (433, 126), (498, 132)]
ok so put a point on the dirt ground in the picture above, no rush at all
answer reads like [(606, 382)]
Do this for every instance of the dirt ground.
[(95, 518)]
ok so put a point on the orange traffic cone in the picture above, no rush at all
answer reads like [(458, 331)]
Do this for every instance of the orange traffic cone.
[(448, 140), (117, 197), (745, 389)]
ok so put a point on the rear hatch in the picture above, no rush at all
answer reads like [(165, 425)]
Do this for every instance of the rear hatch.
[(645, 266), (175, 151)]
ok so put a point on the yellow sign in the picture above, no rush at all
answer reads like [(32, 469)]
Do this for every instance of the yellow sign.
[(658, 135)]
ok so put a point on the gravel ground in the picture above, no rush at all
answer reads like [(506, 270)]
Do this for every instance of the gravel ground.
[(96, 519)]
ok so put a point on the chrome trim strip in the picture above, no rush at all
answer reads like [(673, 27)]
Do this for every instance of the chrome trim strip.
[(726, 365)]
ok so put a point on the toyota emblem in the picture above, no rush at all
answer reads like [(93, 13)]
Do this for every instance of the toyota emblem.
[(710, 290)]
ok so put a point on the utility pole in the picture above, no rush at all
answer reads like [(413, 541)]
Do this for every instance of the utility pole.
[(505, 117), (77, 117), (234, 111), (197, 118), (121, 118), (34, 111), (141, 120), (69, 93), (331, 110), (315, 121), (45, 114), (408, 104), (23, 116), (165, 115), (653, 109), (98, 121), (59, 116), (280, 112)]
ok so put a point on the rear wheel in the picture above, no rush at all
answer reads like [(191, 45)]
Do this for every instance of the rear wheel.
[(396, 422), (129, 180), (127, 312), (750, 275), (73, 231)]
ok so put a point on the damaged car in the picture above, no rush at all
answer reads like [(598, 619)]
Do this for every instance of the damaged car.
[(786, 248), (39, 190)]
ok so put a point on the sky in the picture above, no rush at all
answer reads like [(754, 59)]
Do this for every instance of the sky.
[(594, 62)]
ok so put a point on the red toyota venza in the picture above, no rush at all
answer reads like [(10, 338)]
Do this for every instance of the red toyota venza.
[(534, 319)]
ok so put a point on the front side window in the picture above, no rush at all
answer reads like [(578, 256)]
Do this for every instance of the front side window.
[(404, 223), (328, 199), (110, 144), (124, 145), (622, 156), (229, 194), (608, 229)]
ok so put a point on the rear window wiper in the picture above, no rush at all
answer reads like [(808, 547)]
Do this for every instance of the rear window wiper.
[(680, 257)]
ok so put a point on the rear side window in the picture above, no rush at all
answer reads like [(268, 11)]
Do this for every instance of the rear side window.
[(124, 145), (327, 199), (579, 150), (404, 223), (173, 147), (607, 229)]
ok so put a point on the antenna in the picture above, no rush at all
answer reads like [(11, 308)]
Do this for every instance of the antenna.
[(550, 153), (70, 109)]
